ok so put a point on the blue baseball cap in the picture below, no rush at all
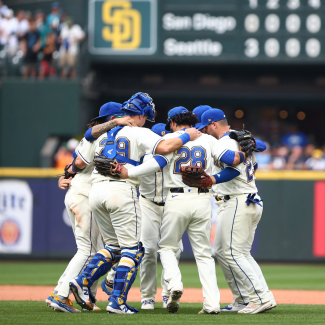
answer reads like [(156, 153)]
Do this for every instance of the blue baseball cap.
[(174, 111), (212, 115), (159, 129), (198, 111), (109, 109)]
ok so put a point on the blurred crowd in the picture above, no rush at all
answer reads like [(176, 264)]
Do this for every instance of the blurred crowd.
[(294, 152), (45, 44), (64, 155)]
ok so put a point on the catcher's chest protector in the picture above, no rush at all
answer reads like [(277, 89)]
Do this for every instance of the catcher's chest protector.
[(110, 148)]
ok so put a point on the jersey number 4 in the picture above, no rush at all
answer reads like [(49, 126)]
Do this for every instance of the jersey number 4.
[(195, 156)]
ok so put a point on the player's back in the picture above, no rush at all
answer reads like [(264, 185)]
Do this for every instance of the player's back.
[(244, 183), (198, 152), (132, 143)]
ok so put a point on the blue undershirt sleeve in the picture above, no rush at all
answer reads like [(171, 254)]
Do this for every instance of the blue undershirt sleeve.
[(162, 161), (226, 175), (228, 157), (88, 135), (255, 166), (260, 145)]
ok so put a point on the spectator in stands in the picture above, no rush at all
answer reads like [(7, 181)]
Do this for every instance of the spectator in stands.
[(3, 9), (296, 159), (70, 37), (8, 32), (46, 66), (280, 156), (294, 138), (53, 19), (31, 45), (22, 24), (63, 157), (316, 161), (42, 27)]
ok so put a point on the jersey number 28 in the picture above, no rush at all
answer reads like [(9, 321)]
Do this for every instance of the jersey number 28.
[(195, 156)]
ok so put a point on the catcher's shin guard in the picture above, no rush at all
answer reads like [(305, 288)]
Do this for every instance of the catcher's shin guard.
[(101, 263), (126, 273)]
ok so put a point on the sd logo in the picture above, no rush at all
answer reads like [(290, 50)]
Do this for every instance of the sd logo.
[(122, 26)]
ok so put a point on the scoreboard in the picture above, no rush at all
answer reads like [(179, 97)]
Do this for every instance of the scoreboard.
[(225, 31)]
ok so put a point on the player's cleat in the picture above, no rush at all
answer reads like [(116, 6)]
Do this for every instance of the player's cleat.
[(273, 305), (148, 304), (234, 306), (95, 308), (173, 301), (64, 306), (114, 308), (107, 286), (81, 293), (202, 312), (165, 299), (255, 308), (49, 299)]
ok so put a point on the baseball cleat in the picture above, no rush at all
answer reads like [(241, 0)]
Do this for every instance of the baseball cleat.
[(107, 287), (273, 305), (202, 312), (114, 308), (173, 301), (81, 293), (148, 304), (165, 299), (49, 299), (64, 306), (255, 308), (234, 306), (95, 308)]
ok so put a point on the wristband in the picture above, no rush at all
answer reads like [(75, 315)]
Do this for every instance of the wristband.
[(242, 157), (185, 137)]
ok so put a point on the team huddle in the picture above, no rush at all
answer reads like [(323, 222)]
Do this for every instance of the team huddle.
[(133, 192)]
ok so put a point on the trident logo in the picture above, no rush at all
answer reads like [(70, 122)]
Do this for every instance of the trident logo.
[(124, 25)]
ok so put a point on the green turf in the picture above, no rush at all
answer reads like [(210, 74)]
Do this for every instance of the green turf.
[(292, 276), (22, 312)]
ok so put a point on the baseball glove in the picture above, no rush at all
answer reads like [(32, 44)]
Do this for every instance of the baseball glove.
[(245, 140), (195, 176), (104, 167)]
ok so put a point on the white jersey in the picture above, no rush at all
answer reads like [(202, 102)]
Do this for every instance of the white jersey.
[(201, 152), (152, 185), (131, 142), (81, 182), (242, 184)]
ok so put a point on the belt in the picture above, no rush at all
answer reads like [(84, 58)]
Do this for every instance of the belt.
[(161, 204), (112, 180), (181, 190), (225, 198)]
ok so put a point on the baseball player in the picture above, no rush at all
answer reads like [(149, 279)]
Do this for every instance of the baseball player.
[(198, 111), (239, 211), (152, 200), (115, 205), (84, 227), (186, 210)]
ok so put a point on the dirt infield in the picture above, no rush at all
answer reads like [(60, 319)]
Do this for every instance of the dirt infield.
[(191, 295)]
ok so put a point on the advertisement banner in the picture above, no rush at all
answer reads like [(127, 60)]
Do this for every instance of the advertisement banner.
[(16, 207)]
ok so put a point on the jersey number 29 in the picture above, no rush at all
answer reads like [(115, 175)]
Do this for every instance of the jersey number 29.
[(195, 156)]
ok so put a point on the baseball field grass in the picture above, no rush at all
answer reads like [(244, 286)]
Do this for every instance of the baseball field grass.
[(278, 276)]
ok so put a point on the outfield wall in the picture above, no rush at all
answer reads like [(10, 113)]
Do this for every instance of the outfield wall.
[(34, 222)]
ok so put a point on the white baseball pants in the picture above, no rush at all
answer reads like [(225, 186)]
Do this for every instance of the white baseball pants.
[(191, 212), (235, 284), (88, 239), (238, 225), (151, 220), (116, 209)]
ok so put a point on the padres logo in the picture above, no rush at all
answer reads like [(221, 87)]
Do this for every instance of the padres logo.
[(124, 25), (9, 233)]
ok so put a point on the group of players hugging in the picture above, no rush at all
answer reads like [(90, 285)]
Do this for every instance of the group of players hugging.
[(133, 192)]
